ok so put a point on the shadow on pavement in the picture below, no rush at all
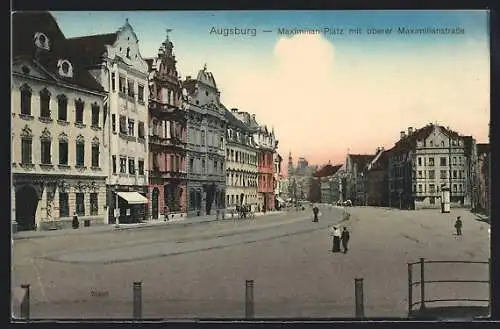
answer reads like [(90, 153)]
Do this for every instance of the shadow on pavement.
[(452, 313)]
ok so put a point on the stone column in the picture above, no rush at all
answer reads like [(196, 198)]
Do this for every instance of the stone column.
[(167, 129), (55, 204), (41, 209)]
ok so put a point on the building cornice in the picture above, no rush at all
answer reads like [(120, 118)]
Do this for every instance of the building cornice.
[(60, 84)]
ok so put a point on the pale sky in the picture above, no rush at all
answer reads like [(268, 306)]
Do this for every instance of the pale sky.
[(325, 94)]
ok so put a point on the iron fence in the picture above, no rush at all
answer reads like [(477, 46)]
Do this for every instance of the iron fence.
[(422, 284)]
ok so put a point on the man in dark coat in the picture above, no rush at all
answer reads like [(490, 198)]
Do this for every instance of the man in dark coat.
[(458, 226), (345, 239), (315, 212)]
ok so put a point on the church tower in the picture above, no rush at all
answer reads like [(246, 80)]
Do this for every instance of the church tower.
[(290, 164)]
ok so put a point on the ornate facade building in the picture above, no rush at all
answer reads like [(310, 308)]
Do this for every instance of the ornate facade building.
[(266, 146), (206, 129), (241, 162), (484, 178), (424, 161), (114, 59), (167, 135), (57, 144)]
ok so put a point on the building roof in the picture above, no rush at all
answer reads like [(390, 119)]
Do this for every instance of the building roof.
[(361, 160), (410, 141), (91, 48), (327, 170), (483, 148), (234, 122), (24, 27)]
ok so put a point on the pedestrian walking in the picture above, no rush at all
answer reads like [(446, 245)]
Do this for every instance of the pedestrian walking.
[(315, 212), (75, 222), (345, 239), (336, 234), (458, 226)]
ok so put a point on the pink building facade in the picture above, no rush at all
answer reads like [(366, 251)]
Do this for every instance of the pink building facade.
[(167, 137)]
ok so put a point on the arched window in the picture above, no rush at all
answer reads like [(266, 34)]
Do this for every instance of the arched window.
[(80, 151), (25, 99), (62, 108), (45, 103)]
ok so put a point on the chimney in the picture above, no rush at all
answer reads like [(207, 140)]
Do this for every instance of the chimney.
[(253, 117), (402, 135), (410, 131)]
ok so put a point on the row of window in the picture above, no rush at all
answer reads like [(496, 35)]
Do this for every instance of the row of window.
[(241, 157), (237, 136), (236, 199), (243, 179), (266, 181), (46, 152), (167, 129), (124, 161), (266, 160), (198, 166), (173, 162), (454, 142), (198, 137), (442, 161), (422, 188), (62, 109), (443, 174), (127, 126), (127, 87), (79, 204)]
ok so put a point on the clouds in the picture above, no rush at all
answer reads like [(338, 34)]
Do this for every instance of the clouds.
[(323, 98)]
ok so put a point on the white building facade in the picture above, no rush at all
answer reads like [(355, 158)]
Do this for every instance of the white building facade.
[(115, 61), (57, 141), (241, 163)]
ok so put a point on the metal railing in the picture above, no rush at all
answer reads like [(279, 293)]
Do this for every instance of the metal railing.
[(422, 283)]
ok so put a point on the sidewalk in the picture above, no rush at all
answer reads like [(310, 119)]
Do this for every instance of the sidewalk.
[(184, 221)]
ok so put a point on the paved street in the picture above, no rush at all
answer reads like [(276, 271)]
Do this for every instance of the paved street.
[(200, 270)]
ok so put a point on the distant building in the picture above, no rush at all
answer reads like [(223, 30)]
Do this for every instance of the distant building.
[(299, 178), (58, 122), (206, 153), (266, 146), (424, 161), (377, 179), (356, 170), (330, 178), (484, 174), (241, 162)]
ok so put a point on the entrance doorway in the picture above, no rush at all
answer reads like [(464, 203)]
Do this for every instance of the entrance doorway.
[(154, 203), (26, 203)]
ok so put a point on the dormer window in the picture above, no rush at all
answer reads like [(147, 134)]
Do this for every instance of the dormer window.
[(41, 41), (65, 68)]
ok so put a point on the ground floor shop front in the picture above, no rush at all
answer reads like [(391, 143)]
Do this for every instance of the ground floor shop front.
[(266, 201), (205, 198), (127, 204), (167, 198), (46, 202)]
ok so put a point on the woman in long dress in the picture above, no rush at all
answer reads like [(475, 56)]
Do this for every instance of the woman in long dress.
[(336, 238)]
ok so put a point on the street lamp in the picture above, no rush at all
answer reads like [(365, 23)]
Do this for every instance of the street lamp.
[(117, 211)]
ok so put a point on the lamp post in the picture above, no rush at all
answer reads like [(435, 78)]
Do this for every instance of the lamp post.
[(117, 212)]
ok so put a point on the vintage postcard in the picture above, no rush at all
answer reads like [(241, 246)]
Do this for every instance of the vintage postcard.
[(250, 164)]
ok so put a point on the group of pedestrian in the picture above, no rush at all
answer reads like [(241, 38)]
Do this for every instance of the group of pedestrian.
[(340, 237)]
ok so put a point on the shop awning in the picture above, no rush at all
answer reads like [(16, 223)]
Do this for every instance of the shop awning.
[(133, 197), (280, 200)]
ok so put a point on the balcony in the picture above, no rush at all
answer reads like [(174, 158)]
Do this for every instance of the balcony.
[(167, 174), (161, 108), (161, 141)]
